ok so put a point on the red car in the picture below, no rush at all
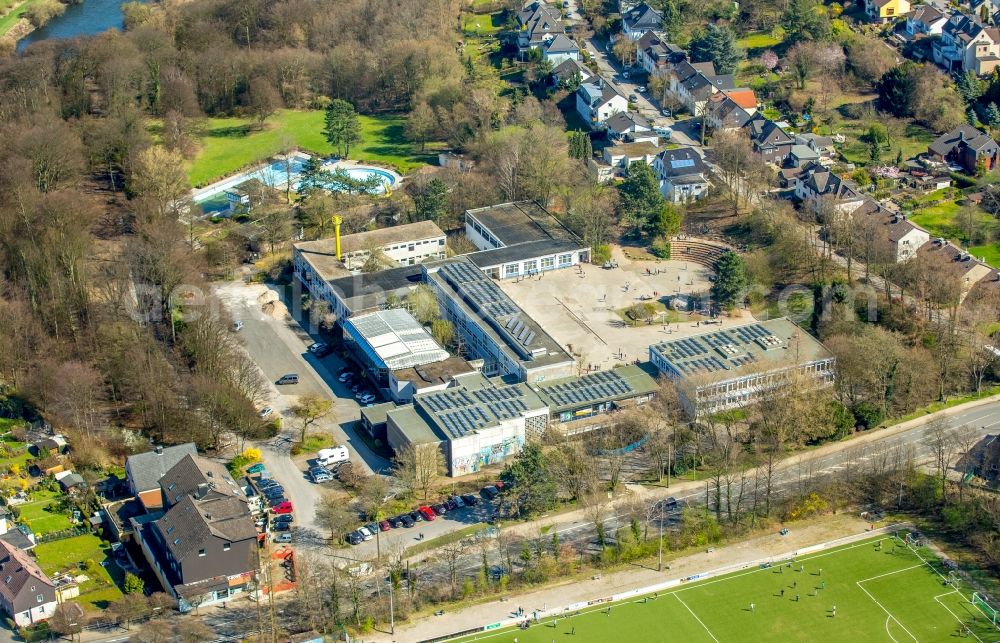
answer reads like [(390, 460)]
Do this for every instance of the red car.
[(384, 525), (427, 513), (282, 508)]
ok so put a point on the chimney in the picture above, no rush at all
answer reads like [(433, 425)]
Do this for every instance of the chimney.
[(961, 135), (159, 450)]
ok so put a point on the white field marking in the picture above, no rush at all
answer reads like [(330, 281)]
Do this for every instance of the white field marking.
[(960, 621), (905, 569), (726, 577), (858, 583), (696, 617), (888, 631)]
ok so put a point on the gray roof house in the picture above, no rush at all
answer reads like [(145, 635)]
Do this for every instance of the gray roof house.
[(598, 101), (640, 19), (567, 69), (26, 593), (682, 174), (561, 49), (144, 470)]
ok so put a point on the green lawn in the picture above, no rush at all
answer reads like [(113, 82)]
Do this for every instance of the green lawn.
[(229, 144), (62, 555), (913, 142), (758, 40), (989, 253), (481, 25), (9, 20), (879, 596), (39, 517)]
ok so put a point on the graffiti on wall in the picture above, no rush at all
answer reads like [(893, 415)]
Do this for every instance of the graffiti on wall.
[(487, 455)]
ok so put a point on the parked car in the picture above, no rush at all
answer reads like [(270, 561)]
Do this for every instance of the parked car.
[(256, 468), (276, 502), (365, 533), (632, 98), (641, 90), (440, 509), (451, 504), (360, 393), (319, 349), (290, 378), (320, 477), (265, 412), (346, 376), (664, 132), (665, 112), (284, 507), (470, 500), (373, 527), (237, 325), (489, 492), (368, 398), (416, 516), (384, 525), (282, 526), (284, 518), (396, 521), (354, 538), (274, 491), (407, 521), (499, 484), (458, 501), (265, 483), (427, 513), (283, 538)]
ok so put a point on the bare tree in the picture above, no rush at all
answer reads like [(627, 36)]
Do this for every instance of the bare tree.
[(419, 466), (310, 409)]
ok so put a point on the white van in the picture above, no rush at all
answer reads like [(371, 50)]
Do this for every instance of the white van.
[(333, 455)]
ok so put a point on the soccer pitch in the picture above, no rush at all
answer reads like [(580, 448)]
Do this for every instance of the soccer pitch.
[(881, 592)]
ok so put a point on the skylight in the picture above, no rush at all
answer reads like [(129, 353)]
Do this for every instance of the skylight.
[(679, 163)]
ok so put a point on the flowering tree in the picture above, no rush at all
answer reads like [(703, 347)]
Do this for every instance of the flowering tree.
[(769, 59)]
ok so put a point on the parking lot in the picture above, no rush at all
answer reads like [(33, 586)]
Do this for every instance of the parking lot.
[(581, 308)]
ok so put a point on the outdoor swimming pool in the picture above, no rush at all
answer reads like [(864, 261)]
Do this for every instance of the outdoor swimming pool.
[(278, 173)]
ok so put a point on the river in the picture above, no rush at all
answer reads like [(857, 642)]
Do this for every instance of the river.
[(85, 19)]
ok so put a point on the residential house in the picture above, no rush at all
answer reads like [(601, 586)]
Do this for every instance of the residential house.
[(966, 146), (967, 45), (682, 174), (26, 593), (538, 23), (801, 155), (561, 49), (744, 97), (68, 480), (144, 470), (904, 236), (640, 19), (630, 127), (52, 445), (925, 20), (769, 141), (950, 261), (886, 10), (599, 100), (817, 184), (570, 72), (655, 55), (616, 158), (823, 145), (204, 548), (725, 114), (694, 83)]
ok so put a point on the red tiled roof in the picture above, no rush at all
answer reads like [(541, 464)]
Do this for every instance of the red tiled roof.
[(745, 98)]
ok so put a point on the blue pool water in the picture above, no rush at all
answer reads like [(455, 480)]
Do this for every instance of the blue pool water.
[(276, 175)]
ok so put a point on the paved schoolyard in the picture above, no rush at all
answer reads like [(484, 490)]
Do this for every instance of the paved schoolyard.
[(580, 307)]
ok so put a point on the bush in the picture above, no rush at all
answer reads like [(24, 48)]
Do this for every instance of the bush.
[(660, 248), (600, 254), (244, 460), (39, 14), (867, 414)]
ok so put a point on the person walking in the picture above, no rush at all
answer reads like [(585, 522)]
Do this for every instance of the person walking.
[(782, 592), (751, 607)]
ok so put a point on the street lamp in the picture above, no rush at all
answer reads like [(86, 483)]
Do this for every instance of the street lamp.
[(392, 611)]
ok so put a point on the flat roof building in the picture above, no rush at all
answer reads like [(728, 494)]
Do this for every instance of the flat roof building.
[(577, 404), (734, 367), (392, 339), (404, 383), (522, 238), (492, 327), (476, 423)]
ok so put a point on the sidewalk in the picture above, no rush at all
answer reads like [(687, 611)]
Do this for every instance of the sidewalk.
[(814, 532)]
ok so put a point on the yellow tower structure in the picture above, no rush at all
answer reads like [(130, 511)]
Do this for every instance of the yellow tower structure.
[(337, 220)]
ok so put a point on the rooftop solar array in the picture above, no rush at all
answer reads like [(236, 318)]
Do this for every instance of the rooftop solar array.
[(720, 350), (459, 411), (489, 301), (589, 389)]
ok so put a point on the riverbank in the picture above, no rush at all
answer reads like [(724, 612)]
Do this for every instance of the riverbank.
[(13, 25)]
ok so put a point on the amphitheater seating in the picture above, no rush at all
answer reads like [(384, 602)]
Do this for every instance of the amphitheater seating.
[(699, 252)]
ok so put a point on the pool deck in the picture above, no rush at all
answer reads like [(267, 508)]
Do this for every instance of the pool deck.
[(208, 192)]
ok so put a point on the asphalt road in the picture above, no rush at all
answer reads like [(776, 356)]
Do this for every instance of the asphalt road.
[(793, 474)]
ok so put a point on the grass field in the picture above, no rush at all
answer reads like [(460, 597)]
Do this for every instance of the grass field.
[(880, 595), (990, 253), (482, 24), (229, 144), (37, 514), (71, 553)]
